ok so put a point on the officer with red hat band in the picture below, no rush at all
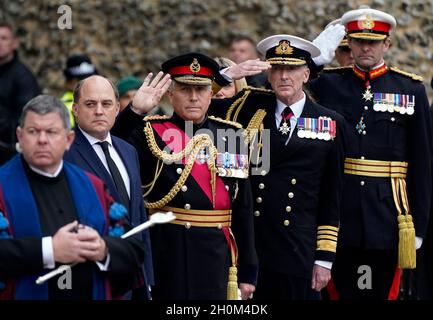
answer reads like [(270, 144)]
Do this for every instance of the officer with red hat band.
[(296, 198), (387, 187), (192, 166)]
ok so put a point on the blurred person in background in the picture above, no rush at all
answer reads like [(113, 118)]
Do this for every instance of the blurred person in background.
[(232, 88), (78, 67), (127, 87), (243, 48), (17, 86)]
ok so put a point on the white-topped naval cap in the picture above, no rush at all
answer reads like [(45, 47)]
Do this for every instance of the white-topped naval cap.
[(287, 50)]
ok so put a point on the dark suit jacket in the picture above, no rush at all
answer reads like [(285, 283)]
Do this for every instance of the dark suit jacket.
[(82, 154)]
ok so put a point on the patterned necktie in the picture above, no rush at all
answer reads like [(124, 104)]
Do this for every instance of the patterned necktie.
[(115, 174), (285, 126)]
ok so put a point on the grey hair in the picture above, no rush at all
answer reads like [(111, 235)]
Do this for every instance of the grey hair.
[(44, 104), (77, 89)]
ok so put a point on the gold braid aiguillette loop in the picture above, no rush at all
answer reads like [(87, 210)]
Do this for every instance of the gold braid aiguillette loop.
[(191, 151)]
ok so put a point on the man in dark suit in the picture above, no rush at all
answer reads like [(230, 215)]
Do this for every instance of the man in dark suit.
[(110, 158), (297, 198)]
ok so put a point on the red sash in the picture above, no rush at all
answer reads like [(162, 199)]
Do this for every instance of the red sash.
[(199, 172)]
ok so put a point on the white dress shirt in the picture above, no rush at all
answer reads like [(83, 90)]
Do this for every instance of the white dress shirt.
[(297, 109), (114, 155)]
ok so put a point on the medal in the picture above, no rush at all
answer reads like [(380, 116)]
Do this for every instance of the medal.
[(367, 95), (313, 128), (308, 128), (301, 126), (326, 128), (284, 128), (360, 126), (411, 105)]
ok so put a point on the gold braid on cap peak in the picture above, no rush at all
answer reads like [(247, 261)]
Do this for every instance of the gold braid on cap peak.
[(191, 151), (231, 123), (413, 76)]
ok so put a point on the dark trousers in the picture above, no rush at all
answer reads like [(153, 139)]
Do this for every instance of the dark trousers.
[(279, 286), (364, 274)]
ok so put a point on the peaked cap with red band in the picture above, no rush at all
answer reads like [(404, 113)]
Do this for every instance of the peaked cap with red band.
[(192, 68), (368, 24)]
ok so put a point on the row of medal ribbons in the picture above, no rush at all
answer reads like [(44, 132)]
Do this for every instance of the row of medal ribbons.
[(232, 165), (394, 102), (232, 161), (322, 128)]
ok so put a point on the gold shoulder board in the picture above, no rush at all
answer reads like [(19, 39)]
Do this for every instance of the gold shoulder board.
[(231, 123), (155, 117), (337, 69), (259, 90), (413, 76)]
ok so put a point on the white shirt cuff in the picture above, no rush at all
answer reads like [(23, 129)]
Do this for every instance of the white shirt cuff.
[(224, 75), (324, 264), (48, 253), (418, 242), (103, 266)]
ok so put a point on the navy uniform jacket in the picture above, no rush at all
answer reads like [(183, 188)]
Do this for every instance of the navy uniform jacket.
[(83, 155), (192, 263), (369, 216), (299, 193)]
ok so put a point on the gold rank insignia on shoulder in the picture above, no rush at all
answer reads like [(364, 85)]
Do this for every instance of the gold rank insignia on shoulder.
[(322, 128), (228, 122), (155, 117), (394, 102), (232, 165), (261, 90), (413, 76)]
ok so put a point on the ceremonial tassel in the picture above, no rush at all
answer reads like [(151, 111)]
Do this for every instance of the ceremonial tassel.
[(232, 286), (406, 244)]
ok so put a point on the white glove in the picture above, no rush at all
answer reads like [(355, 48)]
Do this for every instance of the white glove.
[(328, 41), (418, 242)]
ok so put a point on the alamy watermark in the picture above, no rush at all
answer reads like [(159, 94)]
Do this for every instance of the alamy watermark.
[(65, 19), (365, 280), (64, 282)]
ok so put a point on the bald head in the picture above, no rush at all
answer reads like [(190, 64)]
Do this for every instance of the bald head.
[(96, 79), (96, 105)]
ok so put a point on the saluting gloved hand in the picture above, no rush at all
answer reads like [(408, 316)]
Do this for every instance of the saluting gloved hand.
[(328, 41)]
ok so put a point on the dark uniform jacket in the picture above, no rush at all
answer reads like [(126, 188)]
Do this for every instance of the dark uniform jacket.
[(369, 215), (18, 86), (300, 192), (193, 262)]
